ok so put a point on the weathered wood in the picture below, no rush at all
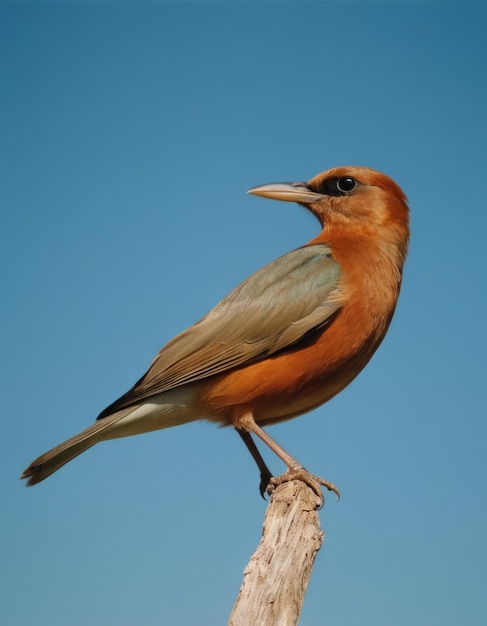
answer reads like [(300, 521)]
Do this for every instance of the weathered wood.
[(277, 575)]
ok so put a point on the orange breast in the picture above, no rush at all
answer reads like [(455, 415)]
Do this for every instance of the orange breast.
[(296, 380), (314, 370)]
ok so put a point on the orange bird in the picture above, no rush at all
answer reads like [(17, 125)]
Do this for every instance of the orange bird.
[(287, 339)]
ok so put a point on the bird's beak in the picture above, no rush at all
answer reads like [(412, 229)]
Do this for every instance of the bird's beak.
[(289, 192)]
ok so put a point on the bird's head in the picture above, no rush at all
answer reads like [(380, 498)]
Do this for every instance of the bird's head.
[(350, 198)]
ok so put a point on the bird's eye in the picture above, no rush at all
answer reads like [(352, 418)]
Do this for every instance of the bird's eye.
[(335, 186), (346, 184)]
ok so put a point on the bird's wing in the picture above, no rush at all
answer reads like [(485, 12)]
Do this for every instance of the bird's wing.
[(271, 310)]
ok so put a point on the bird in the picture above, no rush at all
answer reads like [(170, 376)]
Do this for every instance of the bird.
[(284, 341)]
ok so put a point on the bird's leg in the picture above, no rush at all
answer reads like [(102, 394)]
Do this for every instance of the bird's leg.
[(265, 474), (295, 470)]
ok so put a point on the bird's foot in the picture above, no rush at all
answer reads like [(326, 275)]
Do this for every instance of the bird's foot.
[(315, 482)]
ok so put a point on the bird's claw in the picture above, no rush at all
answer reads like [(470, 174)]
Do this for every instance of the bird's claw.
[(313, 481), (265, 481)]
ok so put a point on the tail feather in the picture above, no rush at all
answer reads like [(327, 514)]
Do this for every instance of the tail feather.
[(52, 460)]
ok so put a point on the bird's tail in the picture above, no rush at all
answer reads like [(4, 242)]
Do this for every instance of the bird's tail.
[(51, 461)]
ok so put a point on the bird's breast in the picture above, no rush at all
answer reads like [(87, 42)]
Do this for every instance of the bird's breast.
[(299, 378), (310, 372)]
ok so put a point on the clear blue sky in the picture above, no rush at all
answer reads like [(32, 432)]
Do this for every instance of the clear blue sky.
[(130, 133)]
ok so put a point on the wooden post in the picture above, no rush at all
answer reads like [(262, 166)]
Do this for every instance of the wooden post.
[(277, 575)]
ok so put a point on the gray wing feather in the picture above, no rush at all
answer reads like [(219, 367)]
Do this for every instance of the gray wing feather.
[(271, 310)]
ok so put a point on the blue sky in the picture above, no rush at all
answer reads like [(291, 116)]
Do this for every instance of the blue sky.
[(130, 133)]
